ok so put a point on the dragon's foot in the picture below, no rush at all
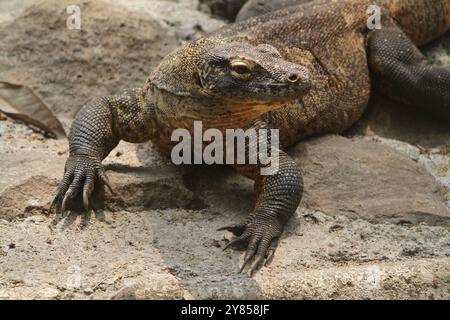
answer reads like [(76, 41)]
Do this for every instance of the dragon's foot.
[(260, 236), (80, 175)]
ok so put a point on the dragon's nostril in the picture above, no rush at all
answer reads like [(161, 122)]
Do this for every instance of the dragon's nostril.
[(293, 77)]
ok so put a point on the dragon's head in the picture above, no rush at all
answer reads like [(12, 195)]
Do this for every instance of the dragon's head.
[(240, 73), (236, 76)]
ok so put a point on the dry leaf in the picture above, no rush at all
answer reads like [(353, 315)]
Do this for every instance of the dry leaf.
[(23, 104)]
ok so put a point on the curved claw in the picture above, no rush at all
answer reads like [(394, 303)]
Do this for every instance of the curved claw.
[(265, 253), (256, 265), (250, 253), (64, 202), (262, 241), (236, 241), (54, 202), (271, 251), (80, 175), (104, 178), (87, 190), (62, 188), (72, 191), (236, 229)]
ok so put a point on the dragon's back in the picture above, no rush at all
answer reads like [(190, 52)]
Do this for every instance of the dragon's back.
[(321, 20), (329, 38), (422, 20)]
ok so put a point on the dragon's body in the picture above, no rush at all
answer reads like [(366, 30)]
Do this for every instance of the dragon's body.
[(304, 70)]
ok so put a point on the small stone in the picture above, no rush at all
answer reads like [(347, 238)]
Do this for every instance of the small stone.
[(37, 219), (228, 236), (33, 203), (335, 228), (4, 295), (88, 290), (49, 293), (216, 243)]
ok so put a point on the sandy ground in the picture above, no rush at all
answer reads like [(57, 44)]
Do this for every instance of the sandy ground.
[(374, 222)]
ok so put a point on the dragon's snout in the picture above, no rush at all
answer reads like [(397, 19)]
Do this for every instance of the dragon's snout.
[(298, 79)]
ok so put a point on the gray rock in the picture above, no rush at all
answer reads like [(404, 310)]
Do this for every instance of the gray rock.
[(227, 9), (84, 58), (361, 178), (88, 291), (48, 293)]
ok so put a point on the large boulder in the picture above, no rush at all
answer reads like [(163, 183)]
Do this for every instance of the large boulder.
[(362, 178), (117, 46)]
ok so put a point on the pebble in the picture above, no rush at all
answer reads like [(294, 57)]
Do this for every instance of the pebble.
[(88, 290), (4, 295), (49, 293), (37, 219)]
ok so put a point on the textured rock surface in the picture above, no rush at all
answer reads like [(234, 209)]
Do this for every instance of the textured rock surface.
[(361, 178), (118, 44), (227, 9), (374, 222)]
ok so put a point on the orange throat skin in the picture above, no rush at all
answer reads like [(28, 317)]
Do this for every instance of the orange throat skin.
[(219, 114)]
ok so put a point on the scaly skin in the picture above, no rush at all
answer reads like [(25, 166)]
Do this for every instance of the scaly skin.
[(253, 8), (305, 70)]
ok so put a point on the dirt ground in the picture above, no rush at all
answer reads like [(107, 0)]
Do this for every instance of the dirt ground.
[(374, 222)]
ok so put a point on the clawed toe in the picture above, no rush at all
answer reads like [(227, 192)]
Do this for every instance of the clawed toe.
[(260, 243), (237, 241), (80, 176), (236, 229)]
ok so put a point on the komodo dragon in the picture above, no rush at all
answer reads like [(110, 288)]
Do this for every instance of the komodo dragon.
[(305, 70)]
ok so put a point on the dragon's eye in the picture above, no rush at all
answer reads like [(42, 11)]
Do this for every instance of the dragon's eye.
[(241, 68)]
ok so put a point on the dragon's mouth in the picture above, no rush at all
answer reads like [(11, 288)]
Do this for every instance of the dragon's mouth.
[(273, 94), (278, 89), (262, 93)]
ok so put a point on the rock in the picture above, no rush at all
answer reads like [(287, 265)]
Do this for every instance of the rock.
[(151, 189), (14, 201), (181, 18), (388, 120), (360, 178), (116, 48), (10, 9), (88, 291), (35, 219), (439, 166), (4, 295), (420, 280), (48, 293), (408, 150), (227, 9)]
